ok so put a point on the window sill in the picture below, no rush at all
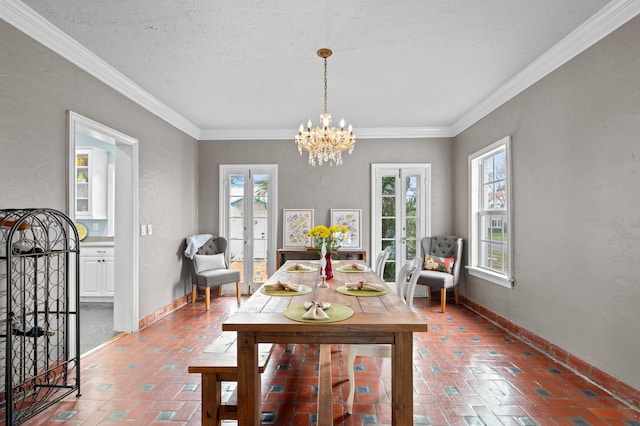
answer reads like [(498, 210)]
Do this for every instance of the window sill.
[(500, 279)]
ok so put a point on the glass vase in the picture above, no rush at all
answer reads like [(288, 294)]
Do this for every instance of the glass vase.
[(328, 269)]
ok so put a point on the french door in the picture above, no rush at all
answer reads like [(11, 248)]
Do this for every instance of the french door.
[(401, 214), (248, 220)]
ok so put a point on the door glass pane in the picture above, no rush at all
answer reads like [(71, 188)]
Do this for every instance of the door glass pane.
[(388, 228), (411, 249), (411, 230), (236, 223), (260, 220), (388, 185), (388, 206), (410, 195), (389, 266)]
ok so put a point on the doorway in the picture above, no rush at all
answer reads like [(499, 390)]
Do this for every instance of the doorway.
[(121, 222), (248, 220), (401, 212)]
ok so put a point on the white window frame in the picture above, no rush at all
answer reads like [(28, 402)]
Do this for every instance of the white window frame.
[(475, 268)]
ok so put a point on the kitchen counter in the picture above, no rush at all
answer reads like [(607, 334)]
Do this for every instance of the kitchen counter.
[(97, 241)]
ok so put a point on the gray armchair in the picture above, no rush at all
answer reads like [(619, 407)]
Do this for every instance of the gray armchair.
[(446, 247), (209, 269)]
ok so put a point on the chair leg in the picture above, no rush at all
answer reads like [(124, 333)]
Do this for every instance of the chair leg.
[(207, 298), (219, 291), (351, 359), (455, 292), (238, 292), (443, 299), (429, 292), (194, 293)]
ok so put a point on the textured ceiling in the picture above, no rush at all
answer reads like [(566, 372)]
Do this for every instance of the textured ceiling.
[(239, 64)]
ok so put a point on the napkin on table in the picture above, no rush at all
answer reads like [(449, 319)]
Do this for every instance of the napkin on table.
[(363, 285), (356, 266), (298, 267), (315, 311), (283, 286)]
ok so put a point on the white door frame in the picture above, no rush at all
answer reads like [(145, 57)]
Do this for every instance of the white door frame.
[(272, 209), (126, 298), (424, 224)]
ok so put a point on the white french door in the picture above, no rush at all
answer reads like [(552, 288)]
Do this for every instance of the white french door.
[(401, 215), (248, 220)]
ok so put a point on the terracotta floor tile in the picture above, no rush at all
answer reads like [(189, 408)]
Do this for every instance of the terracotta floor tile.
[(467, 371)]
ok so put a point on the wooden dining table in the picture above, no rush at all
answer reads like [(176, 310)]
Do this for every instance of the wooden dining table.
[(378, 319)]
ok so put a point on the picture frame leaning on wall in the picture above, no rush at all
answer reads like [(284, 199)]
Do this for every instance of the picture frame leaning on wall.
[(296, 223), (352, 219)]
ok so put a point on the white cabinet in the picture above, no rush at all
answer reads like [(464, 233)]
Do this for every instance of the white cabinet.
[(91, 183), (96, 273)]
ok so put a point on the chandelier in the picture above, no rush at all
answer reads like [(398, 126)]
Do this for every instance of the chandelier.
[(325, 143)]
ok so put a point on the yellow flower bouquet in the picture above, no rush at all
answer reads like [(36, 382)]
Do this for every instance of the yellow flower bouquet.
[(332, 236)]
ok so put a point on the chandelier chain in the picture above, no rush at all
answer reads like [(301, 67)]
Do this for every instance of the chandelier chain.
[(325, 85)]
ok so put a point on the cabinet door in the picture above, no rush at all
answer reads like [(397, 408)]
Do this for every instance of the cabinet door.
[(91, 276), (109, 276)]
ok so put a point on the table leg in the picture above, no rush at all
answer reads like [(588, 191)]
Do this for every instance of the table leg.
[(249, 388), (402, 380)]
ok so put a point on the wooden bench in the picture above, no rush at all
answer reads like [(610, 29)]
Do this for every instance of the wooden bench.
[(325, 409), (217, 364)]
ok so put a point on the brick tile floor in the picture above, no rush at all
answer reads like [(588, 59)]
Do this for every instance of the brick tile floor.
[(468, 371)]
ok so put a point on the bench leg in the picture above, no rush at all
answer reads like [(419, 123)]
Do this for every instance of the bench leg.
[(325, 409), (351, 359), (211, 400)]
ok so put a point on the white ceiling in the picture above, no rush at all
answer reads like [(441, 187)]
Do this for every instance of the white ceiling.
[(244, 69)]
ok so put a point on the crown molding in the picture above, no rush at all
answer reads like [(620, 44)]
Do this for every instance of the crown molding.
[(361, 133), (35, 26), (604, 22)]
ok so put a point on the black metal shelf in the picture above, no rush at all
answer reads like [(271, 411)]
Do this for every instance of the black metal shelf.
[(39, 299)]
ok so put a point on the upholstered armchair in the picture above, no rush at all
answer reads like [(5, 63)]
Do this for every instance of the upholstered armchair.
[(209, 269), (442, 268)]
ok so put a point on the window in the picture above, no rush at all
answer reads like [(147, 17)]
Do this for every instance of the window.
[(491, 239)]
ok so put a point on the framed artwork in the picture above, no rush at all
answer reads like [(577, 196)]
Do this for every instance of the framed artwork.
[(296, 223), (352, 219)]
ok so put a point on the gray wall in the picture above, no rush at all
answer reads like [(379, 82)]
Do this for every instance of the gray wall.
[(37, 87), (576, 185), (323, 188)]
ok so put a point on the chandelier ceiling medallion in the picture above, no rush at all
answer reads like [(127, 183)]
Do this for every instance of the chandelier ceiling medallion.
[(325, 143)]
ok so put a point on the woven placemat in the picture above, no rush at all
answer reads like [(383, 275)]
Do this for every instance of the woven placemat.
[(311, 269), (343, 289), (304, 290), (337, 312)]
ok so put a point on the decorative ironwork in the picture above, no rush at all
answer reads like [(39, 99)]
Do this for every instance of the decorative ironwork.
[(39, 323)]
